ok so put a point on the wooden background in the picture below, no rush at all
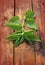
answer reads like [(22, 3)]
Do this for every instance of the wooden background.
[(24, 54)]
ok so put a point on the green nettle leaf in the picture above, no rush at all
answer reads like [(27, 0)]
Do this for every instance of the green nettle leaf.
[(30, 22), (34, 38), (15, 19), (20, 33), (19, 40), (28, 39), (14, 36), (30, 14), (31, 37), (14, 23), (13, 26), (28, 32)]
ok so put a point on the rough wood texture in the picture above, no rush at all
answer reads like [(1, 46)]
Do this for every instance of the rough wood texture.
[(24, 54), (6, 47), (39, 7)]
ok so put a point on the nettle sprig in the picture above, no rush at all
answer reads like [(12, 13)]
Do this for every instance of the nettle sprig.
[(21, 34)]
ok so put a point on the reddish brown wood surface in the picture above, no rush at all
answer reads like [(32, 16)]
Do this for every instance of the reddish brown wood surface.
[(6, 47), (24, 54), (39, 7)]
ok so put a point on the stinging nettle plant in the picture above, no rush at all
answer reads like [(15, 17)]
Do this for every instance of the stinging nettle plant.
[(21, 34)]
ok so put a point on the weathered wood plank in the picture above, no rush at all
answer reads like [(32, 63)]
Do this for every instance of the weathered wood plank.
[(39, 7), (6, 47), (24, 54)]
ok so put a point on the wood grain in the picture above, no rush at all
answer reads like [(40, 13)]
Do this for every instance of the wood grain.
[(6, 47), (39, 7), (24, 54)]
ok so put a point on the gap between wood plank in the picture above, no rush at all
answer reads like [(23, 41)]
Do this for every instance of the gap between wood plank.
[(32, 4), (14, 31)]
